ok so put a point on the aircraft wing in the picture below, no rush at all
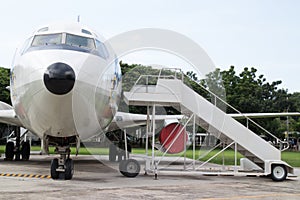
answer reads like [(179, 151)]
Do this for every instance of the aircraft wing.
[(263, 115), (8, 115), (127, 120)]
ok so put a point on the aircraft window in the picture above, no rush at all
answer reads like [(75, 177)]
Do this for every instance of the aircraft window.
[(83, 42), (50, 39), (102, 49), (26, 45)]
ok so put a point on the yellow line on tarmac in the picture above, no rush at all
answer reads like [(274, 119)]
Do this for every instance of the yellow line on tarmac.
[(26, 175)]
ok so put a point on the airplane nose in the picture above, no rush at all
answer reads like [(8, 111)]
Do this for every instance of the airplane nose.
[(59, 78)]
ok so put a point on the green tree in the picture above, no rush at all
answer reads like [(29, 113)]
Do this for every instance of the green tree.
[(4, 94), (251, 93), (4, 82)]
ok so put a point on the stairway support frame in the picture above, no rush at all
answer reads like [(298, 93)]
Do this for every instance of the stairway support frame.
[(161, 98)]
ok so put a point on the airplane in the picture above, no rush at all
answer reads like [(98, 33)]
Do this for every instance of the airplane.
[(46, 87), (63, 78)]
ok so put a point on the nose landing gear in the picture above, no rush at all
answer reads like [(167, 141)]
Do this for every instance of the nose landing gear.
[(63, 167)]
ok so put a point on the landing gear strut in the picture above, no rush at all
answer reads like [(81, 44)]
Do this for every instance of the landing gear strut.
[(18, 141), (117, 152), (63, 167)]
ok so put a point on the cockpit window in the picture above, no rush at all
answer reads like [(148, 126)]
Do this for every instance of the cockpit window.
[(49, 39), (102, 49), (66, 41), (79, 41), (26, 45)]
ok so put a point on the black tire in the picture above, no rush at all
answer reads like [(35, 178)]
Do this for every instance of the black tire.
[(69, 171), (112, 152), (129, 168), (9, 151), (54, 166), (279, 173), (25, 151)]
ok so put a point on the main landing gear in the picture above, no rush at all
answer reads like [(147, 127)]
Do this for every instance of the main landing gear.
[(17, 147), (63, 167), (12, 151), (127, 167)]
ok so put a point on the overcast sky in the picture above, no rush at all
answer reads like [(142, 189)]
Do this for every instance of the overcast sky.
[(264, 34)]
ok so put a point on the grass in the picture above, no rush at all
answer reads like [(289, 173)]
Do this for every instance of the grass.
[(291, 157)]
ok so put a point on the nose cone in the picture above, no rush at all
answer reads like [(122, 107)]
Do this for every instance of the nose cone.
[(59, 78)]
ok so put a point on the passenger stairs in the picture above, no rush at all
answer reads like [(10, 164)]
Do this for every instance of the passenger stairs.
[(172, 91)]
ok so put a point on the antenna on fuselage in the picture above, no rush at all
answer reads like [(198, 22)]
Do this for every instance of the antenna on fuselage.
[(78, 18)]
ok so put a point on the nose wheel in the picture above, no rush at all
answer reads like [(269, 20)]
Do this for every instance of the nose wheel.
[(69, 171), (54, 166), (63, 167)]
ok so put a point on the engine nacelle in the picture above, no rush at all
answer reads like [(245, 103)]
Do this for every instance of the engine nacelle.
[(169, 133)]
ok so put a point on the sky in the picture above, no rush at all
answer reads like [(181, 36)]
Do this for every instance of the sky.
[(264, 34)]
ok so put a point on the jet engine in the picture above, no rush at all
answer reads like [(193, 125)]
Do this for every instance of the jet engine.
[(173, 137)]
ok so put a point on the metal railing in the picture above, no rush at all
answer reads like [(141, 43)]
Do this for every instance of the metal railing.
[(179, 75)]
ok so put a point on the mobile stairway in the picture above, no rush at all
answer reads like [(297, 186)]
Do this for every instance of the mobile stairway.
[(172, 91)]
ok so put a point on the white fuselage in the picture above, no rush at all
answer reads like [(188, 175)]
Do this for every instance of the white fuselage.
[(84, 110)]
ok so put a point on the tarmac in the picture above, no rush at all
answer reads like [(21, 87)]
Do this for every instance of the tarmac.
[(101, 180)]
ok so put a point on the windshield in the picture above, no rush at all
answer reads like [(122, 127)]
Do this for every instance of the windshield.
[(79, 41), (66, 41), (49, 39), (102, 49)]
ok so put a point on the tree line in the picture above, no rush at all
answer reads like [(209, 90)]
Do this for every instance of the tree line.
[(247, 91)]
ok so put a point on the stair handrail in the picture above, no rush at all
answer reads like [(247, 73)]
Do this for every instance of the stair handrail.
[(154, 76), (283, 145)]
